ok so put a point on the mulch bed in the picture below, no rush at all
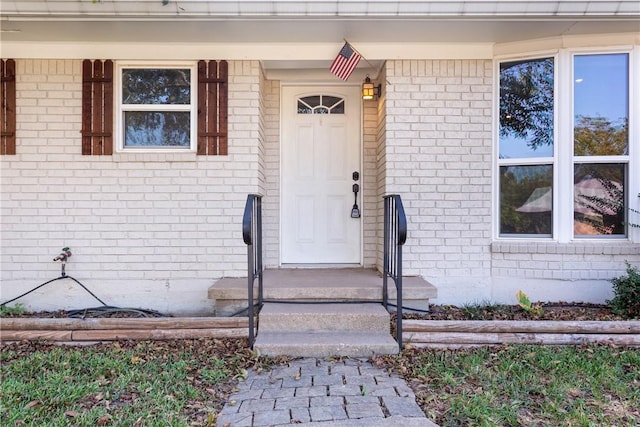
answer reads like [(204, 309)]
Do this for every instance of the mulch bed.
[(550, 311)]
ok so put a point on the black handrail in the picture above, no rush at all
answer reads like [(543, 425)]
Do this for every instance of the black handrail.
[(395, 235), (252, 236)]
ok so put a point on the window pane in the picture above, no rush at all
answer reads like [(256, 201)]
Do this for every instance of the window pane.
[(304, 108), (338, 107), (599, 199), (311, 101), (156, 86), (156, 129), (526, 200), (320, 104), (601, 105), (526, 108)]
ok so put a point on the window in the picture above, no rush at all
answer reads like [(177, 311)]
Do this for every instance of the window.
[(157, 107), (601, 143), (563, 171), (526, 147), (321, 104)]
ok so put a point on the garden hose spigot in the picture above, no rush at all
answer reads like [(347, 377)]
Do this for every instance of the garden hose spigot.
[(63, 256)]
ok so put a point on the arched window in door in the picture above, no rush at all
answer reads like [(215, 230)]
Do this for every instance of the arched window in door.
[(320, 104)]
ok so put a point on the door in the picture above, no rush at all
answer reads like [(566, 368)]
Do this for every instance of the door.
[(320, 165)]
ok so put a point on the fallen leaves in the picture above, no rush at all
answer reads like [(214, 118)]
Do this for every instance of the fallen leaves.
[(551, 311), (32, 404)]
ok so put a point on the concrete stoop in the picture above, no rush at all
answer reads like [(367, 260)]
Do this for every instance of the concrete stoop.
[(229, 295), (321, 330)]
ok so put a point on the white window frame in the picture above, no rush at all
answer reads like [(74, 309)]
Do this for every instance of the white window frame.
[(563, 160), (120, 109), (525, 161)]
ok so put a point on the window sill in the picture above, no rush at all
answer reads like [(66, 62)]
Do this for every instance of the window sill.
[(620, 247)]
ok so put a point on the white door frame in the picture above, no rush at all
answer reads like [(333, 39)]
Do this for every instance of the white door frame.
[(361, 194)]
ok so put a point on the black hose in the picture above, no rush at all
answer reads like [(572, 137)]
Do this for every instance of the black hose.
[(103, 311), (106, 311), (53, 280), (145, 313)]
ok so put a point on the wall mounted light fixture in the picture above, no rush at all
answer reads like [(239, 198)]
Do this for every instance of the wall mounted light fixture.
[(369, 91)]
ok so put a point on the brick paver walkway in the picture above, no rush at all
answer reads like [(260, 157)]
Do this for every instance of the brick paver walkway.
[(316, 392)]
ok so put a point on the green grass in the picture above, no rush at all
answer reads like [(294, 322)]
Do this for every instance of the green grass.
[(186, 382), (13, 310), (483, 310), (526, 385), (155, 384)]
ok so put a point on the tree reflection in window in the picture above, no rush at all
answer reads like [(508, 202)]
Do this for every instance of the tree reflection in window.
[(599, 199), (156, 86), (526, 134), (526, 108), (156, 129), (601, 128), (156, 107), (601, 105), (526, 200), (321, 104)]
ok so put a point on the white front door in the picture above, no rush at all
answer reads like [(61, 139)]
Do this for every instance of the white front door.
[(320, 153)]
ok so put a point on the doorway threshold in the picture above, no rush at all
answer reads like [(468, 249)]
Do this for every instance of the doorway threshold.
[(319, 266)]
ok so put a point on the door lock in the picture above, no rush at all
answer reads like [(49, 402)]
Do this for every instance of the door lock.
[(355, 211)]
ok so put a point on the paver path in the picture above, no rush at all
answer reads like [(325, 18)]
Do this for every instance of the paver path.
[(317, 392)]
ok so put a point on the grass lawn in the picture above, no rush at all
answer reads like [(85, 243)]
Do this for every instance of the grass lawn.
[(181, 383), (525, 385), (163, 383)]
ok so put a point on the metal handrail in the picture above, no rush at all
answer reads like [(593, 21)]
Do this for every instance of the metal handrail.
[(252, 236), (395, 235)]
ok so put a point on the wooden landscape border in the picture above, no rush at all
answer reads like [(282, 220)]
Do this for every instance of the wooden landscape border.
[(113, 329), (461, 333), (417, 333)]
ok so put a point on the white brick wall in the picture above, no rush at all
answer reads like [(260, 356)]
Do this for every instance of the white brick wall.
[(271, 201), (381, 140), (564, 261), (438, 158), (146, 230), (371, 197)]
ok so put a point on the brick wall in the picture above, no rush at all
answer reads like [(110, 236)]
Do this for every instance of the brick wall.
[(564, 261), (146, 230), (271, 201), (381, 159), (438, 158), (370, 202)]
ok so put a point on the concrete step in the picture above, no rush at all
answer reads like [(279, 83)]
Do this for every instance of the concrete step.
[(279, 317), (324, 344), (342, 284)]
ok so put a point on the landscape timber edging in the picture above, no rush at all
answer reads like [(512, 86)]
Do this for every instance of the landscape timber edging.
[(467, 333), (113, 329), (416, 333)]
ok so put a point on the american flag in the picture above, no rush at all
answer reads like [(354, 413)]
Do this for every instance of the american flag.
[(346, 61)]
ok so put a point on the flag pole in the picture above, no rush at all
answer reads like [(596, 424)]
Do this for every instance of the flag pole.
[(365, 59), (358, 52)]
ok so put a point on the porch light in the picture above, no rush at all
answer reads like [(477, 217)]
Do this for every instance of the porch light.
[(369, 91)]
